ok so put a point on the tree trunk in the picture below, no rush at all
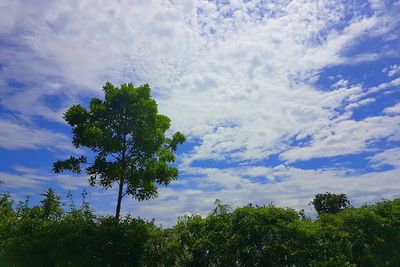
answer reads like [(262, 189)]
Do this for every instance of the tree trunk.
[(120, 190), (121, 180)]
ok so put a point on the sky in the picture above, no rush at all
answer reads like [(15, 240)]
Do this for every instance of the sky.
[(279, 100)]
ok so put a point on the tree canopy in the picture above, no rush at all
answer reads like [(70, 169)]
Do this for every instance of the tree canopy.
[(128, 138), (330, 203)]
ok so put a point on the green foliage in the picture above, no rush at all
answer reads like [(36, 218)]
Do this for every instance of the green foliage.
[(6, 205), (51, 205), (272, 236), (330, 203), (128, 138), (34, 236), (247, 236), (220, 208)]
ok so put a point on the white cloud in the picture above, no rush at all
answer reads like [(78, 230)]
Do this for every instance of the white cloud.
[(14, 181), (15, 135), (38, 180), (361, 103), (346, 137), (231, 76), (393, 110), (293, 188), (387, 157), (383, 86), (8, 16), (392, 70)]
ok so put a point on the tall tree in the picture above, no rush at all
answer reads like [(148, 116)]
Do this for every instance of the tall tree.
[(330, 203), (128, 138)]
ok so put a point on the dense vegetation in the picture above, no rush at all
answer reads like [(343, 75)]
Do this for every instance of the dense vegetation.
[(47, 235)]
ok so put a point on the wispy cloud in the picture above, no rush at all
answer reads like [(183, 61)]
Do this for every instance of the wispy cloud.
[(16, 135), (387, 157), (293, 187), (392, 70), (25, 178), (394, 110), (346, 137)]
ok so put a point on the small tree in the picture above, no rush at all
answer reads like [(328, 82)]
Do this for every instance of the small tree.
[(220, 208), (6, 205), (330, 203), (128, 138), (51, 205)]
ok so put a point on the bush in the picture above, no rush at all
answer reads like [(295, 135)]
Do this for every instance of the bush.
[(247, 236)]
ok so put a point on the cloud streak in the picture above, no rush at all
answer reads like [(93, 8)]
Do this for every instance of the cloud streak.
[(15, 135)]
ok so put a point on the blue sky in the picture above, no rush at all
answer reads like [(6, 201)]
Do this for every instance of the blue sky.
[(279, 100)]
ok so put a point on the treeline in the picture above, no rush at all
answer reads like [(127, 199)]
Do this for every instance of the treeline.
[(47, 235)]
